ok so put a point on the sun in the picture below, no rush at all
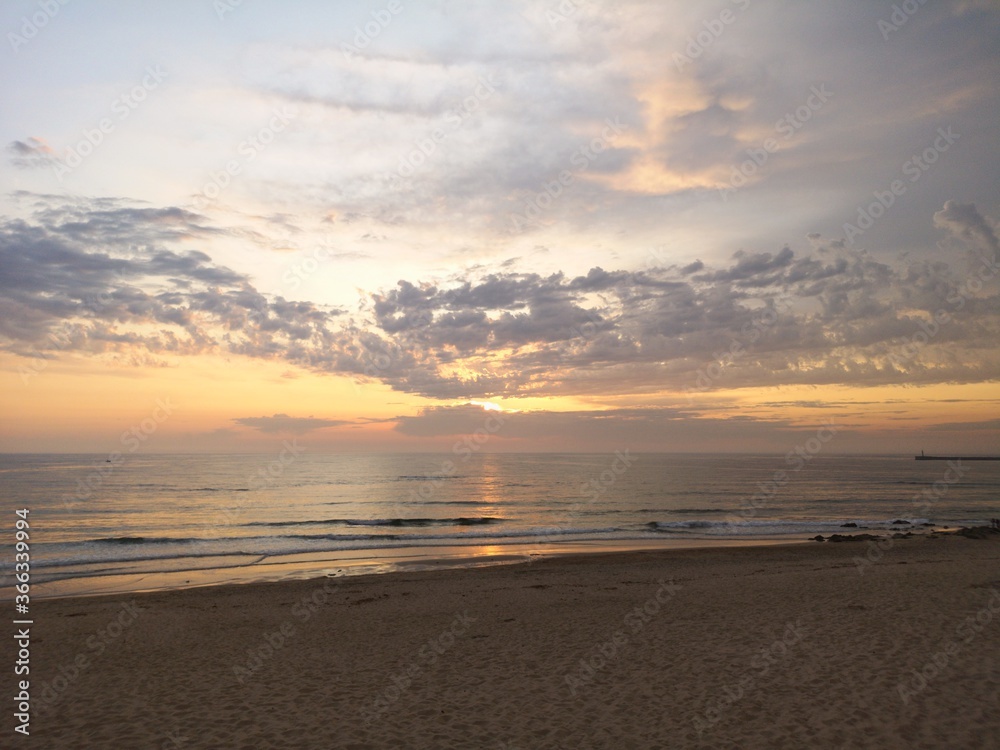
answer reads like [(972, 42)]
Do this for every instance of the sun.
[(486, 405)]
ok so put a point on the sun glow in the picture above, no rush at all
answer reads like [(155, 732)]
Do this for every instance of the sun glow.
[(486, 405)]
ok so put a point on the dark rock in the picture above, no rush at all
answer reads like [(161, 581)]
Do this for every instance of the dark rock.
[(853, 538), (848, 526), (818, 538), (900, 522), (978, 532)]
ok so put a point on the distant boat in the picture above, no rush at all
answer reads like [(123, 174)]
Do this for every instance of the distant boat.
[(923, 457)]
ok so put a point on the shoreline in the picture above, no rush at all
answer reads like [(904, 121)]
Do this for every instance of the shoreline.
[(142, 576), (754, 646), (363, 562)]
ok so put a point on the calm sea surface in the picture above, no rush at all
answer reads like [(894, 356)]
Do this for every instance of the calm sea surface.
[(150, 514)]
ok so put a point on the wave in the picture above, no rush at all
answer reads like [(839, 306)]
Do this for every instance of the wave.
[(461, 521), (964, 484), (175, 488), (767, 527), (522, 534), (126, 550), (425, 477), (140, 540), (469, 503), (82, 558), (669, 511)]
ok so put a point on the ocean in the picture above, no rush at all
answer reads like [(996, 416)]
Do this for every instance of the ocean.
[(100, 523)]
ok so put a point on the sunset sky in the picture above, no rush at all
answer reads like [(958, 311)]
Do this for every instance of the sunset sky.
[(663, 225)]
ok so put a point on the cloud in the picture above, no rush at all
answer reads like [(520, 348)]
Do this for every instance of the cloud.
[(104, 279), (692, 267), (765, 319), (31, 153), (762, 268), (987, 425), (613, 429), (285, 423), (965, 221)]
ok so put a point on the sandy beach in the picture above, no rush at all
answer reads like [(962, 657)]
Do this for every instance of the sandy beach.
[(822, 645)]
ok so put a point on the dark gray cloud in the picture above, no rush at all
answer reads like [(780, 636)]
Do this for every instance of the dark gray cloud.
[(103, 280), (965, 221), (110, 222), (765, 319)]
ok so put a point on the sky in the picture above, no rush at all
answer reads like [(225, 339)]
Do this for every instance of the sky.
[(552, 225)]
